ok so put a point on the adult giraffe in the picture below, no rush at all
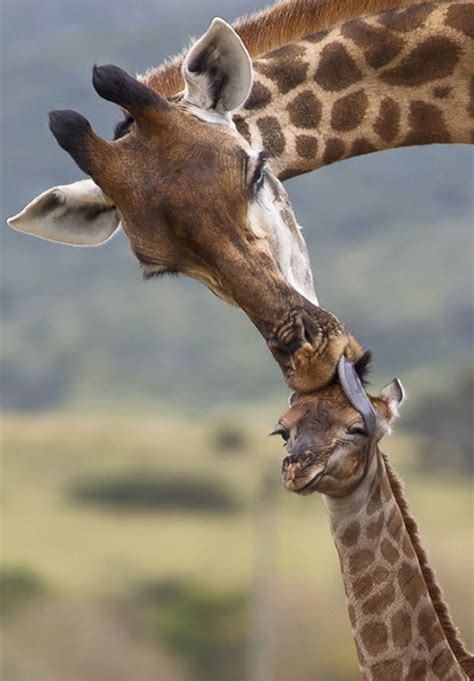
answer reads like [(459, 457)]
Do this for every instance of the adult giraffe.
[(400, 622), (197, 197)]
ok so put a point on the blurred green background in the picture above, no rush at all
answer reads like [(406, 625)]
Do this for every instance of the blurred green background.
[(144, 531)]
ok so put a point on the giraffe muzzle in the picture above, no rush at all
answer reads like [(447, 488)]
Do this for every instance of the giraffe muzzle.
[(301, 474)]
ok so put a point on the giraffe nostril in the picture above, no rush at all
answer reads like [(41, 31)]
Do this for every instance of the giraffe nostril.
[(301, 459)]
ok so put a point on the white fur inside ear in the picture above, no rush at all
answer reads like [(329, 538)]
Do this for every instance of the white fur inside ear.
[(218, 70), (77, 214)]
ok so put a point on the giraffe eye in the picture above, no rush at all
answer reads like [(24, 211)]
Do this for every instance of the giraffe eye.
[(282, 431), (357, 429)]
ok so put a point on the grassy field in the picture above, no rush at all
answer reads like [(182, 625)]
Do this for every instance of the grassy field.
[(92, 560)]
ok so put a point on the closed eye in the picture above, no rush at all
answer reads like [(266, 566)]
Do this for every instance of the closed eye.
[(357, 429), (282, 431), (151, 269), (153, 273)]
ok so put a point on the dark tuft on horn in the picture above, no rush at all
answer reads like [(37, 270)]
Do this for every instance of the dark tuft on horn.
[(115, 85), (68, 127), (363, 367), (71, 130)]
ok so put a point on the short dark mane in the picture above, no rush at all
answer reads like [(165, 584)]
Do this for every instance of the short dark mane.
[(279, 24), (465, 659)]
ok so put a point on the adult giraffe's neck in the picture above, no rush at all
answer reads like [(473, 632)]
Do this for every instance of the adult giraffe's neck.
[(399, 78), (401, 626), (282, 23)]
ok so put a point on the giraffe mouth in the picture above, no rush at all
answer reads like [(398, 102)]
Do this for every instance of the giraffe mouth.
[(301, 482)]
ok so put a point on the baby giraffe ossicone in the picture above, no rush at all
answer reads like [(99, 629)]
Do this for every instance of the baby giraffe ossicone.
[(400, 623)]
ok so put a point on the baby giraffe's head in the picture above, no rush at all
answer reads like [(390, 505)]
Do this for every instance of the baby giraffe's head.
[(332, 435)]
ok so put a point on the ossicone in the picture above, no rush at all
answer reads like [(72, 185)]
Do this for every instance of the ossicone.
[(117, 86), (363, 367), (68, 127), (74, 134)]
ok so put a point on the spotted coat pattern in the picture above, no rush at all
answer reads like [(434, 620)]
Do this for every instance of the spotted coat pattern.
[(400, 78), (397, 632)]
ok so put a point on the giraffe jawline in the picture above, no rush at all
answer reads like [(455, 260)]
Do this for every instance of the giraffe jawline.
[(311, 485)]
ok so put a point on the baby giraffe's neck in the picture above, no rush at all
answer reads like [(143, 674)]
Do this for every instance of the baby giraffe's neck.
[(401, 626)]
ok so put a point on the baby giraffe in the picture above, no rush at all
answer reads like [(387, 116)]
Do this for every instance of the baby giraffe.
[(400, 623)]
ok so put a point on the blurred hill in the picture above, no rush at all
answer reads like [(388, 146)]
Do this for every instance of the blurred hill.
[(106, 585), (390, 237)]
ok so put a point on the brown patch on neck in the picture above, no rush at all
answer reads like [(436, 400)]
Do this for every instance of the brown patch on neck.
[(272, 28), (465, 659)]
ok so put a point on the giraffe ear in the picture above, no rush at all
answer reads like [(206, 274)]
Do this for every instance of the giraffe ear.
[(218, 70), (78, 214), (393, 394)]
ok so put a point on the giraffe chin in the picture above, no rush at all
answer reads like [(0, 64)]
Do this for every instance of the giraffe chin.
[(301, 482)]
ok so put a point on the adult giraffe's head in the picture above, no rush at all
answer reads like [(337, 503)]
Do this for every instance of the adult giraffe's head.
[(331, 435), (194, 198)]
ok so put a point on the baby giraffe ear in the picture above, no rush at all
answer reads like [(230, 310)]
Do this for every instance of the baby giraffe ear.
[(393, 394), (218, 70)]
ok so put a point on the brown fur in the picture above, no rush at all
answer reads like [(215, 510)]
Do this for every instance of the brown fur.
[(184, 206), (274, 27), (393, 79), (308, 353), (313, 427), (184, 196), (465, 659)]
